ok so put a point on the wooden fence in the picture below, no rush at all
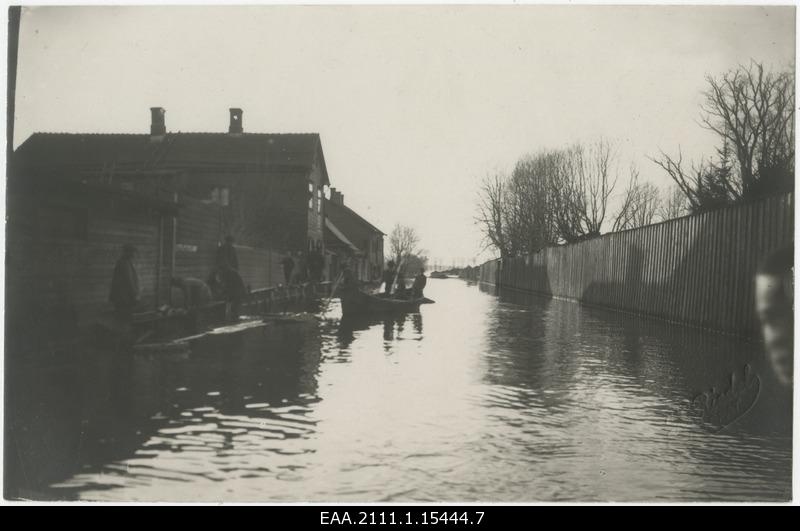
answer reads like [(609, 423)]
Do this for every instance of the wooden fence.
[(696, 269)]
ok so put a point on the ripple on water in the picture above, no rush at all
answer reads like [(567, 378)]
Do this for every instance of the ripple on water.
[(490, 401)]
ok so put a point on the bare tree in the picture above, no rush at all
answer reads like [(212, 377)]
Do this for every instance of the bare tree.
[(598, 179), (581, 189), (674, 204), (490, 219), (706, 185), (641, 203), (752, 111), (565, 198), (531, 202), (403, 242), (415, 263), (552, 196)]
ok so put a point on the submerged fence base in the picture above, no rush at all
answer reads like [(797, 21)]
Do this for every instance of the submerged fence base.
[(697, 270)]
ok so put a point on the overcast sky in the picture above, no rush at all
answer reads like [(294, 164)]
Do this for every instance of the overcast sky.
[(414, 104)]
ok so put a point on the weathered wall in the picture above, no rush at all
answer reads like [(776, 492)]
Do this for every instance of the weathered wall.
[(58, 272), (199, 234), (697, 269), (266, 209)]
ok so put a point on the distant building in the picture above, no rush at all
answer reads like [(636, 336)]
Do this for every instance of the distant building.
[(349, 235)]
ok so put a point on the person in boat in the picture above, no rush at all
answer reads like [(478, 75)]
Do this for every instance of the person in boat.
[(775, 309), (288, 266), (388, 277), (124, 293), (348, 282), (401, 292), (420, 281)]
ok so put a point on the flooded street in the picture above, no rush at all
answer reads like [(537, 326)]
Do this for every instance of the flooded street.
[(478, 398)]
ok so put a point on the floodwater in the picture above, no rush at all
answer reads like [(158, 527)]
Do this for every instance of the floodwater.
[(477, 398)]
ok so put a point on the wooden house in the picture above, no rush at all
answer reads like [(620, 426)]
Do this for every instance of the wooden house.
[(266, 190), (350, 235)]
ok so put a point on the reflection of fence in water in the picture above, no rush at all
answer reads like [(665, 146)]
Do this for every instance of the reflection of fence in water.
[(697, 269)]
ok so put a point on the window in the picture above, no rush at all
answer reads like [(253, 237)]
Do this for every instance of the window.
[(311, 196), (319, 200), (221, 196)]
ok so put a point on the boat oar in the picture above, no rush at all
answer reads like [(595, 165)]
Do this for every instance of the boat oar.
[(397, 273), (333, 291)]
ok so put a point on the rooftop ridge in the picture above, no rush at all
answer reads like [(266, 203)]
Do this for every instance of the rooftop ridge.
[(172, 133)]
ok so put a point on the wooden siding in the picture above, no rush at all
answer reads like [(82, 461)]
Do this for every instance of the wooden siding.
[(199, 233), (50, 278)]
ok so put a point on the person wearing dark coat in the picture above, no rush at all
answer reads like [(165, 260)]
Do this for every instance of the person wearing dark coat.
[(288, 266), (228, 267), (226, 255), (124, 293), (348, 280), (420, 281)]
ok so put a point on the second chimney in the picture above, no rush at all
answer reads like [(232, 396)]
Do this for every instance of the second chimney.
[(158, 127), (337, 197), (235, 127)]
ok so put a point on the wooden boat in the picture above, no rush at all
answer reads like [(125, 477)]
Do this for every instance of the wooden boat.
[(356, 302)]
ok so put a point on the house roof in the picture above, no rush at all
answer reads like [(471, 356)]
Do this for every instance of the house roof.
[(198, 151), (337, 210), (339, 235)]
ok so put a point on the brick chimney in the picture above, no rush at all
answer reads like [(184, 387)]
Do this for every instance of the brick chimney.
[(337, 197), (235, 127), (158, 127)]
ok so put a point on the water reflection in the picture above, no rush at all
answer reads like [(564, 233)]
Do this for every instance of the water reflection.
[(510, 399)]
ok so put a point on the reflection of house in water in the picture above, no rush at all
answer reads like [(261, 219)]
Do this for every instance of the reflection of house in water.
[(351, 236), (90, 421)]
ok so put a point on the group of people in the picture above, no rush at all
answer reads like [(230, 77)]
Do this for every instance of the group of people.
[(224, 283), (393, 275), (301, 266)]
